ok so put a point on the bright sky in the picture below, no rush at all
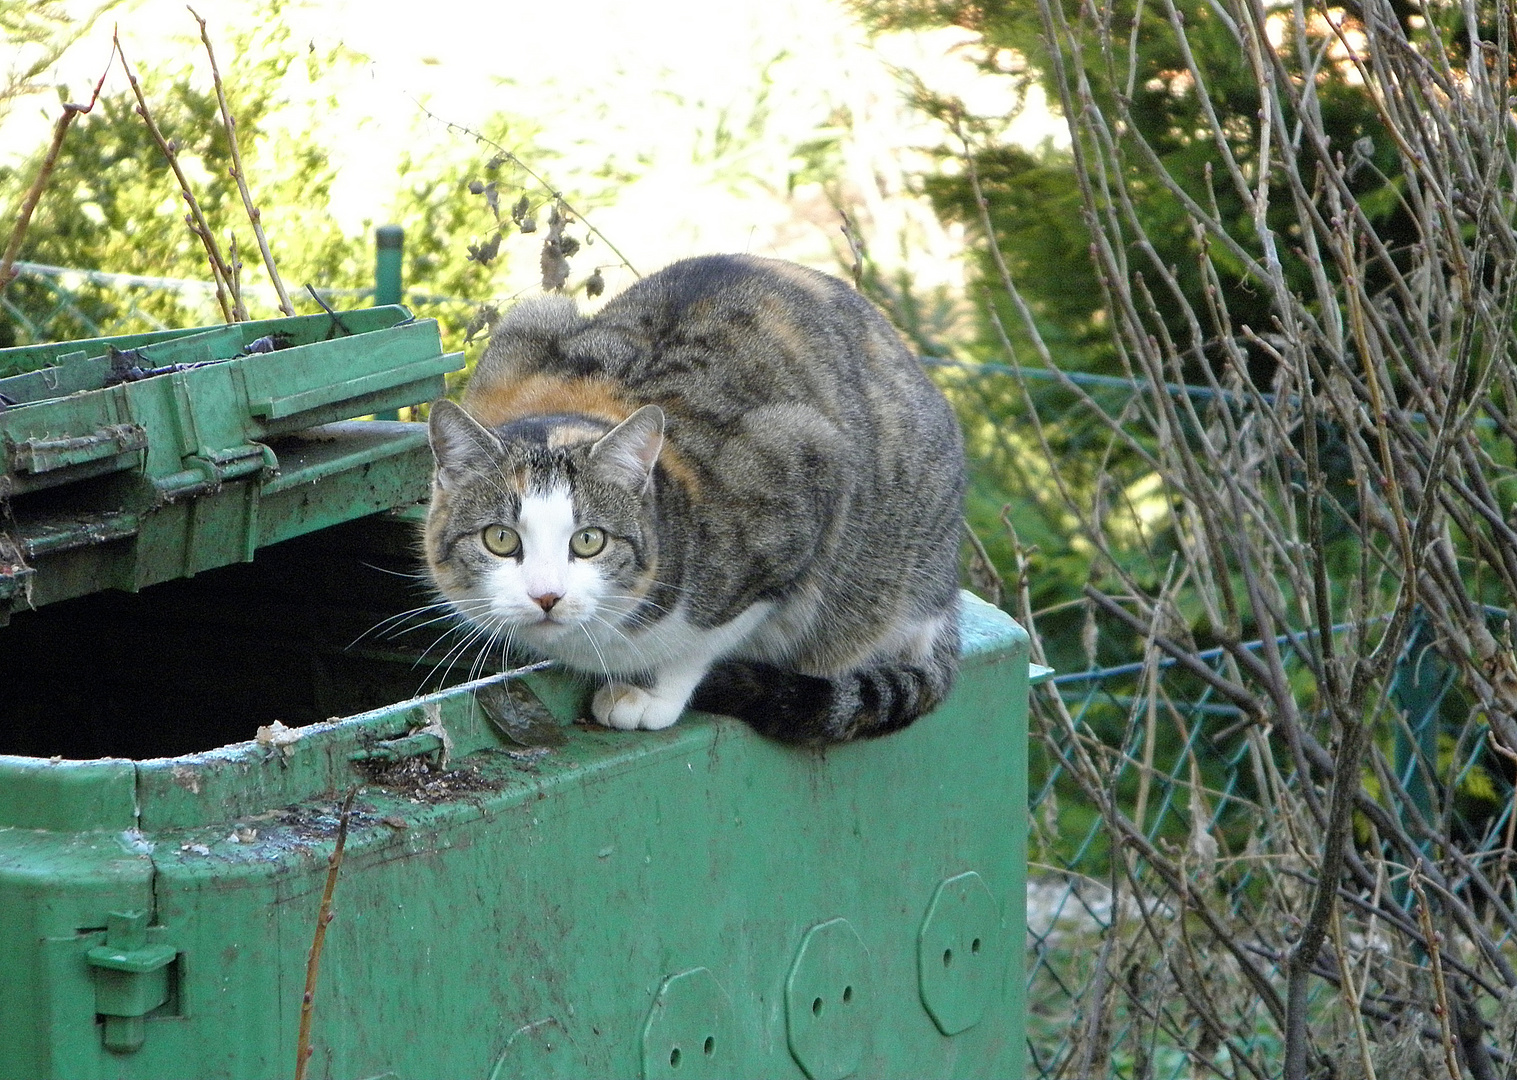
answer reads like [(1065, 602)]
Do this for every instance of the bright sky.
[(663, 90)]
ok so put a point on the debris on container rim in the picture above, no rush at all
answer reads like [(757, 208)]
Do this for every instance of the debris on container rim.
[(528, 753), (519, 716), (433, 712), (267, 344), (136, 843), (132, 365), (277, 736), (186, 776), (424, 782)]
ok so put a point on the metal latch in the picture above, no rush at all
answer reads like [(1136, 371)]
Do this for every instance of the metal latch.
[(131, 978)]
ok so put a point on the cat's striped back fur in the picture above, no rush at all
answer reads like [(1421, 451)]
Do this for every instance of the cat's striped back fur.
[(776, 484)]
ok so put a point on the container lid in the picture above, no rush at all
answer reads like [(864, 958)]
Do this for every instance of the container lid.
[(131, 460)]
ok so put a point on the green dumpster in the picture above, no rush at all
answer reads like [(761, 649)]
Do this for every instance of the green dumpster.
[(695, 902)]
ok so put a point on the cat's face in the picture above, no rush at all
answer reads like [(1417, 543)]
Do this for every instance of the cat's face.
[(540, 533)]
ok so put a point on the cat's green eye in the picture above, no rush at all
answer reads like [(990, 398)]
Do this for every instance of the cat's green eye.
[(500, 540), (588, 542)]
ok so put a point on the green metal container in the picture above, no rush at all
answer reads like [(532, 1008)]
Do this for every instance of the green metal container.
[(132, 460), (695, 902)]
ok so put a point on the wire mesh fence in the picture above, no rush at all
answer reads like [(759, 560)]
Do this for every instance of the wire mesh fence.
[(1170, 861), (57, 303)]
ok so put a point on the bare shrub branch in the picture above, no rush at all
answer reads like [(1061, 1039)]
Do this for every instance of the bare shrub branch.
[(227, 296), (1328, 525), (44, 173)]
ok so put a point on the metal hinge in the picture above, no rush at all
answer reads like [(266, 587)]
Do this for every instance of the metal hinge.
[(131, 977)]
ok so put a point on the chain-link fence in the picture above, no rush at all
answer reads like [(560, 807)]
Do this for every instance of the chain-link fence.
[(1164, 833), (57, 303)]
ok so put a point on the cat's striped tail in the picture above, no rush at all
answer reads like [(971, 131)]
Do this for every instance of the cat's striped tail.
[(796, 708)]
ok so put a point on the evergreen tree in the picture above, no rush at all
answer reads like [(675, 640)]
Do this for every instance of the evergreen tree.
[(1135, 65)]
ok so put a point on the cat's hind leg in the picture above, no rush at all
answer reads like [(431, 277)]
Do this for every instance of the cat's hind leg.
[(865, 702)]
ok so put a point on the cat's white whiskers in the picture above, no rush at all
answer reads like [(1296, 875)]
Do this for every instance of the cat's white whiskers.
[(467, 631), (501, 634), (633, 646), (448, 607), (505, 648), (445, 617), (430, 650), (391, 620), (413, 575), (477, 666), (453, 655), (477, 643), (594, 645), (448, 611)]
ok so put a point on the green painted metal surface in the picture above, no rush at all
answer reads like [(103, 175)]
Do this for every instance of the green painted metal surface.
[(112, 477), (691, 902)]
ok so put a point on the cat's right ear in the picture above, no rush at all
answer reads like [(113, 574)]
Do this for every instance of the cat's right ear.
[(625, 454), (460, 445)]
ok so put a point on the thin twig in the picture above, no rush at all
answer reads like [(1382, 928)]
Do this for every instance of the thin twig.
[(1440, 990), (324, 916), (231, 304), (855, 249), (983, 572), (1353, 997), (337, 323), (44, 174), (255, 216), (554, 195)]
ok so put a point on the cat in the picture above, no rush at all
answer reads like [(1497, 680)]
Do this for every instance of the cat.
[(733, 489)]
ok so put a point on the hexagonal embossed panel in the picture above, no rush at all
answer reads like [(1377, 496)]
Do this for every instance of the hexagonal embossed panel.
[(960, 952), (828, 1000), (690, 1032)]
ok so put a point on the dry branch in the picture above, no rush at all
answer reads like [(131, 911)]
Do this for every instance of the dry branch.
[(1342, 477), (39, 182), (255, 216), (227, 296), (324, 916), (554, 194)]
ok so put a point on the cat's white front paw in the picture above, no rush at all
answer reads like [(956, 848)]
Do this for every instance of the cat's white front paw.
[(619, 705)]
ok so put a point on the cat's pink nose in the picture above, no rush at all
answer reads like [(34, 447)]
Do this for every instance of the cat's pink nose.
[(547, 600)]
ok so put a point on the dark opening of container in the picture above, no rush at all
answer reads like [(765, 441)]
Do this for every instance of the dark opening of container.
[(300, 635)]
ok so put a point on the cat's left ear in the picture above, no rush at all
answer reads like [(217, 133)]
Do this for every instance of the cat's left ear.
[(625, 454)]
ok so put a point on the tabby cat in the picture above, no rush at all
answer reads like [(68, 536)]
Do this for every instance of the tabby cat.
[(733, 488)]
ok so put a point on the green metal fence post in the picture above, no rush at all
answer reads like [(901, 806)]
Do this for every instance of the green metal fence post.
[(389, 242)]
